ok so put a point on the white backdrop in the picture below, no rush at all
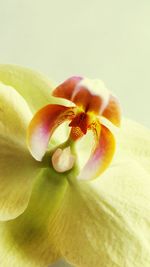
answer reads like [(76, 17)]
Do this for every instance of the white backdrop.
[(100, 39)]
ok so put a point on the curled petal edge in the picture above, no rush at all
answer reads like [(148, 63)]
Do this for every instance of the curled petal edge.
[(43, 125), (102, 153), (112, 112), (79, 91)]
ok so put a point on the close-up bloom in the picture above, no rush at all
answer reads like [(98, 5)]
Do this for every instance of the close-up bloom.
[(74, 174)]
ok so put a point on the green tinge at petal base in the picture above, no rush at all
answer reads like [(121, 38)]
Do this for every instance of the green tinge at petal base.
[(100, 223), (105, 222), (25, 241)]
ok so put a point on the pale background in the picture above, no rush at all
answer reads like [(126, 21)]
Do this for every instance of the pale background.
[(107, 39)]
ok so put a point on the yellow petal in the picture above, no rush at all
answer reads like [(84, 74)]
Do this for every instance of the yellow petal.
[(25, 241), (33, 86), (100, 223), (106, 222), (42, 126), (101, 156), (17, 168), (134, 140), (113, 111)]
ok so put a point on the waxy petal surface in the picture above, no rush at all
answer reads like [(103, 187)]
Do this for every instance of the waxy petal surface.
[(17, 168), (80, 91), (134, 140), (101, 156), (43, 125), (106, 222), (101, 223), (25, 241), (82, 97), (98, 95), (113, 111), (35, 88), (67, 88)]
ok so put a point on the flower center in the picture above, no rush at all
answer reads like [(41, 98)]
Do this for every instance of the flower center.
[(81, 121), (63, 160), (85, 114)]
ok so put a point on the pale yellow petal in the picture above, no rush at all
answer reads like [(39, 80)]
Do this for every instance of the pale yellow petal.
[(134, 141), (17, 168), (106, 222), (25, 241), (33, 86)]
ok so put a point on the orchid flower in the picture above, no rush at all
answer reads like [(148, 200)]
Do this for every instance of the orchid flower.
[(74, 182)]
